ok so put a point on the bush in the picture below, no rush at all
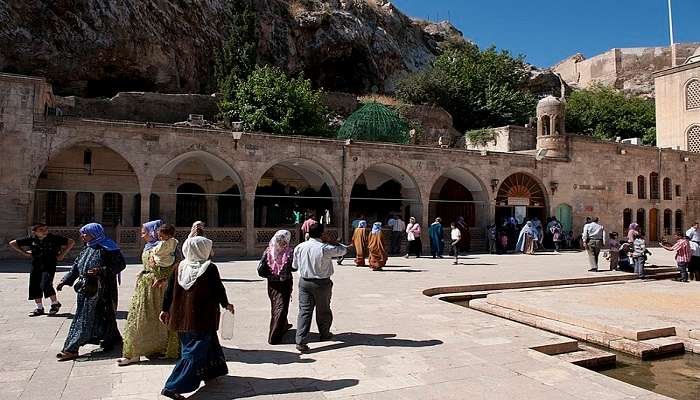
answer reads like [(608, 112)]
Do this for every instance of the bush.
[(235, 61), (271, 101), (606, 113), (480, 88)]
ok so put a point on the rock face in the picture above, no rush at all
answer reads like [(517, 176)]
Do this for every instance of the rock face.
[(97, 48)]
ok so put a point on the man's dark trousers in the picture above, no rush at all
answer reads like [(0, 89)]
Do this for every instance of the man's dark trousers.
[(314, 293)]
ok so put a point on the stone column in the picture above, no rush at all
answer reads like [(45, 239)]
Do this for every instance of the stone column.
[(248, 204), (145, 206), (127, 209), (425, 222), (98, 206), (212, 211), (70, 208)]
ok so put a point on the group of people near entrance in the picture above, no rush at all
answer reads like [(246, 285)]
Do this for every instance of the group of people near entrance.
[(631, 254), (528, 236)]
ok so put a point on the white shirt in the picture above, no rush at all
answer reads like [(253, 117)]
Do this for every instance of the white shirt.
[(455, 234), (593, 231), (399, 226), (313, 258), (693, 234), (695, 248)]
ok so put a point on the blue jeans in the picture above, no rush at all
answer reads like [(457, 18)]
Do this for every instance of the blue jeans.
[(639, 266), (683, 268)]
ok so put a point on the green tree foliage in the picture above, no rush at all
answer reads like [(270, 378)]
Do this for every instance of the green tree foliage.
[(480, 88), (606, 112), (271, 101), (236, 59)]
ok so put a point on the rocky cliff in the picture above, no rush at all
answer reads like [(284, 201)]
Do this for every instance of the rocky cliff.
[(97, 48)]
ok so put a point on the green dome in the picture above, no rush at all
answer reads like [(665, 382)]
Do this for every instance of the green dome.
[(375, 122)]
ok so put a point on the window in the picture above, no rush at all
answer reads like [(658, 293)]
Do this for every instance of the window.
[(679, 221), (641, 220), (111, 209), (87, 157), (56, 208), (153, 212), (630, 187), (667, 189), (692, 94), (654, 186), (678, 190), (694, 138), (641, 188), (668, 215), (626, 219), (84, 208)]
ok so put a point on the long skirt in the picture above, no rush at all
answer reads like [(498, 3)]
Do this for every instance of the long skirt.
[(201, 359), (529, 245), (279, 292), (415, 247), (145, 335), (94, 322)]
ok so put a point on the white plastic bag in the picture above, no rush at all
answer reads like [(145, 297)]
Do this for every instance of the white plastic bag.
[(226, 326)]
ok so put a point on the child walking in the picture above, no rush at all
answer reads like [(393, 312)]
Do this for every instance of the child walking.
[(455, 235), (45, 250)]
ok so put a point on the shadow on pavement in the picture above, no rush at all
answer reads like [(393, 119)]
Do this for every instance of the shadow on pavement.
[(24, 268), (235, 387), (240, 280), (349, 339), (264, 356)]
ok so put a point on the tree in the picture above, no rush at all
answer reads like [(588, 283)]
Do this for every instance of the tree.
[(236, 59), (606, 113), (271, 101), (480, 88)]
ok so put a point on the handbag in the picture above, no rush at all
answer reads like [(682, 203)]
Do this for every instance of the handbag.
[(86, 285), (263, 268)]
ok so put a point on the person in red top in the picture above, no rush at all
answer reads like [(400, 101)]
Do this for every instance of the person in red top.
[(683, 254), (306, 225)]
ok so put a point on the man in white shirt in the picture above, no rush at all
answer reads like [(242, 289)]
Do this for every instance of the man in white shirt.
[(693, 233), (397, 232), (593, 241), (313, 260)]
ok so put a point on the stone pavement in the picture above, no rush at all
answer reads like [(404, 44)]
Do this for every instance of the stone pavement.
[(391, 342)]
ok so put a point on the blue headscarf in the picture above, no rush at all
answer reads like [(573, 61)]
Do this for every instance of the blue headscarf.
[(98, 237), (376, 228), (151, 229), (362, 224)]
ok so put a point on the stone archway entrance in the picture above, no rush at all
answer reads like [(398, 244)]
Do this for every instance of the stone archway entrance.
[(522, 197)]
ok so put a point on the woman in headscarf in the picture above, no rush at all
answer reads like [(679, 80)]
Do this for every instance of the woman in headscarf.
[(436, 234), (276, 266), (197, 229), (359, 240), (95, 271), (377, 253), (526, 239), (144, 335), (633, 230), (413, 237), (191, 308)]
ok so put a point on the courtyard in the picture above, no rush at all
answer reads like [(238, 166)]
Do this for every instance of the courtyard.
[(391, 341)]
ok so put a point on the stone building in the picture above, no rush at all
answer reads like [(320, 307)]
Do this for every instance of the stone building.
[(72, 170), (678, 105)]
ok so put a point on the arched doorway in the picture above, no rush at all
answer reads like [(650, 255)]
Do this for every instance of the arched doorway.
[(641, 220), (458, 193), (565, 217), (191, 205), (520, 196), (626, 220), (653, 225)]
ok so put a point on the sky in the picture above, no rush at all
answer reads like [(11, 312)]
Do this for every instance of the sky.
[(547, 32)]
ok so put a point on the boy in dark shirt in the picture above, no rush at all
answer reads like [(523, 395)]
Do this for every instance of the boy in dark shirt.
[(46, 250)]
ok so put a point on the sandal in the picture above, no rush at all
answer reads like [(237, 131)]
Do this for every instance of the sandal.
[(172, 395), (126, 361), (65, 356)]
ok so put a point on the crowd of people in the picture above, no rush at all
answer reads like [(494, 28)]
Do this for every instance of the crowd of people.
[(174, 312)]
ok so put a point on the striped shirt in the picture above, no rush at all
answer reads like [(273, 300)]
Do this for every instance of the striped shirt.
[(682, 249)]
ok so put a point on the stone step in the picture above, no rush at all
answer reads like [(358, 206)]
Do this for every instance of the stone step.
[(660, 270), (644, 349), (560, 347), (589, 357)]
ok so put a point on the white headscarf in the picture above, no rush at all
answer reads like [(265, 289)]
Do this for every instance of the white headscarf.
[(196, 226), (196, 251)]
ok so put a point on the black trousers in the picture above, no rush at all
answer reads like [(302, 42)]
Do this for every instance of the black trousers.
[(415, 247), (41, 283), (314, 294), (395, 247), (279, 292)]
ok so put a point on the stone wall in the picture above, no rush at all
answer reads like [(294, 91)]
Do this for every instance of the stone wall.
[(141, 106), (505, 139), (342, 103), (673, 118)]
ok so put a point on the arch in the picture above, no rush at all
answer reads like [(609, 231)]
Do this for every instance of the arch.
[(565, 216), (521, 196), (292, 187), (218, 168), (668, 222), (190, 205), (668, 189), (641, 220), (641, 188), (626, 219), (458, 192), (546, 122), (679, 221), (693, 138), (654, 186), (692, 94), (383, 189)]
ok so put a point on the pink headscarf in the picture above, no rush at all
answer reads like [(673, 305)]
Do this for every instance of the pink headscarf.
[(279, 251)]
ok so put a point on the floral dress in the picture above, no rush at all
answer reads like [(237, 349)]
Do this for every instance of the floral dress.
[(145, 335)]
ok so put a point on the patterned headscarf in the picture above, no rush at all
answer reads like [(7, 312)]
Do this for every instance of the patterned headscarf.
[(362, 224), (376, 228), (151, 229), (279, 251), (195, 228), (99, 238)]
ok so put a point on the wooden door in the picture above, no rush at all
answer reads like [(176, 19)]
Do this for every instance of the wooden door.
[(653, 225)]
